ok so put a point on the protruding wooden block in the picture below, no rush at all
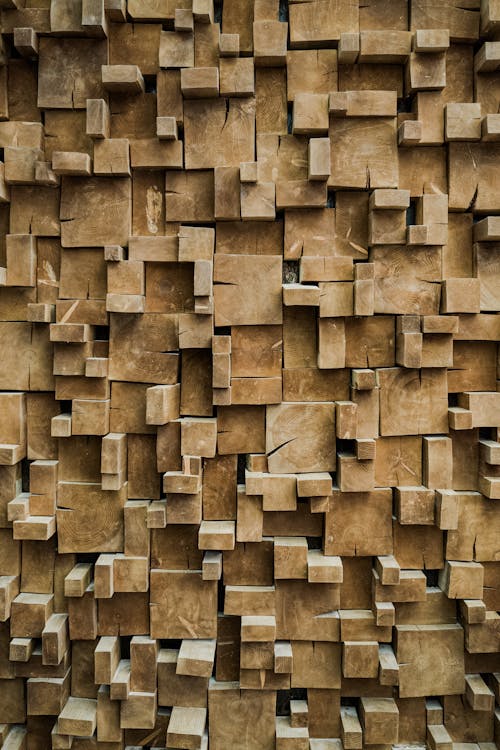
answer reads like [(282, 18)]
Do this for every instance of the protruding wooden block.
[(462, 580), (125, 79), (166, 128), (186, 727), (323, 568), (199, 83), (283, 657), (270, 42), (98, 118), (112, 158), (380, 720), (71, 163), (351, 733), (409, 133), (360, 659), (438, 737), (162, 404), (477, 693), (216, 535), (26, 41), (229, 45), (310, 114), (78, 717), (258, 628), (196, 657)]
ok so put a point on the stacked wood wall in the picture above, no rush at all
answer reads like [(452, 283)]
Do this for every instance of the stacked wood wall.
[(249, 417)]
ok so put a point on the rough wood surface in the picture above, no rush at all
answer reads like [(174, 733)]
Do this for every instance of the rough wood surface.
[(249, 402)]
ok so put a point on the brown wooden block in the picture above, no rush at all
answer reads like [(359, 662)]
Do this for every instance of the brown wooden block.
[(430, 640)]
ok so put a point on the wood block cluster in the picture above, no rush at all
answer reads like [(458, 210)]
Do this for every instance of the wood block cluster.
[(249, 402)]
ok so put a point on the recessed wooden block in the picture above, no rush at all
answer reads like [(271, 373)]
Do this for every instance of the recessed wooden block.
[(21, 256)]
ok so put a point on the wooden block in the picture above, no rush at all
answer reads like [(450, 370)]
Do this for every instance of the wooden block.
[(21, 251), (473, 610), (77, 580), (438, 737), (323, 568), (477, 693), (98, 119), (379, 718), (162, 404), (26, 41), (166, 128), (111, 157), (125, 79), (348, 49), (359, 659), (216, 535), (314, 485), (229, 45), (462, 580), (20, 649), (319, 159), (409, 133), (184, 20), (463, 122), (234, 303), (412, 679), (384, 46), (186, 727), (388, 666), (78, 717), (433, 712), (199, 83), (71, 163), (270, 42), (351, 732), (362, 104), (196, 658), (258, 628), (106, 659), (290, 557), (415, 505), (258, 201), (212, 566), (236, 75), (310, 114), (388, 570)]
